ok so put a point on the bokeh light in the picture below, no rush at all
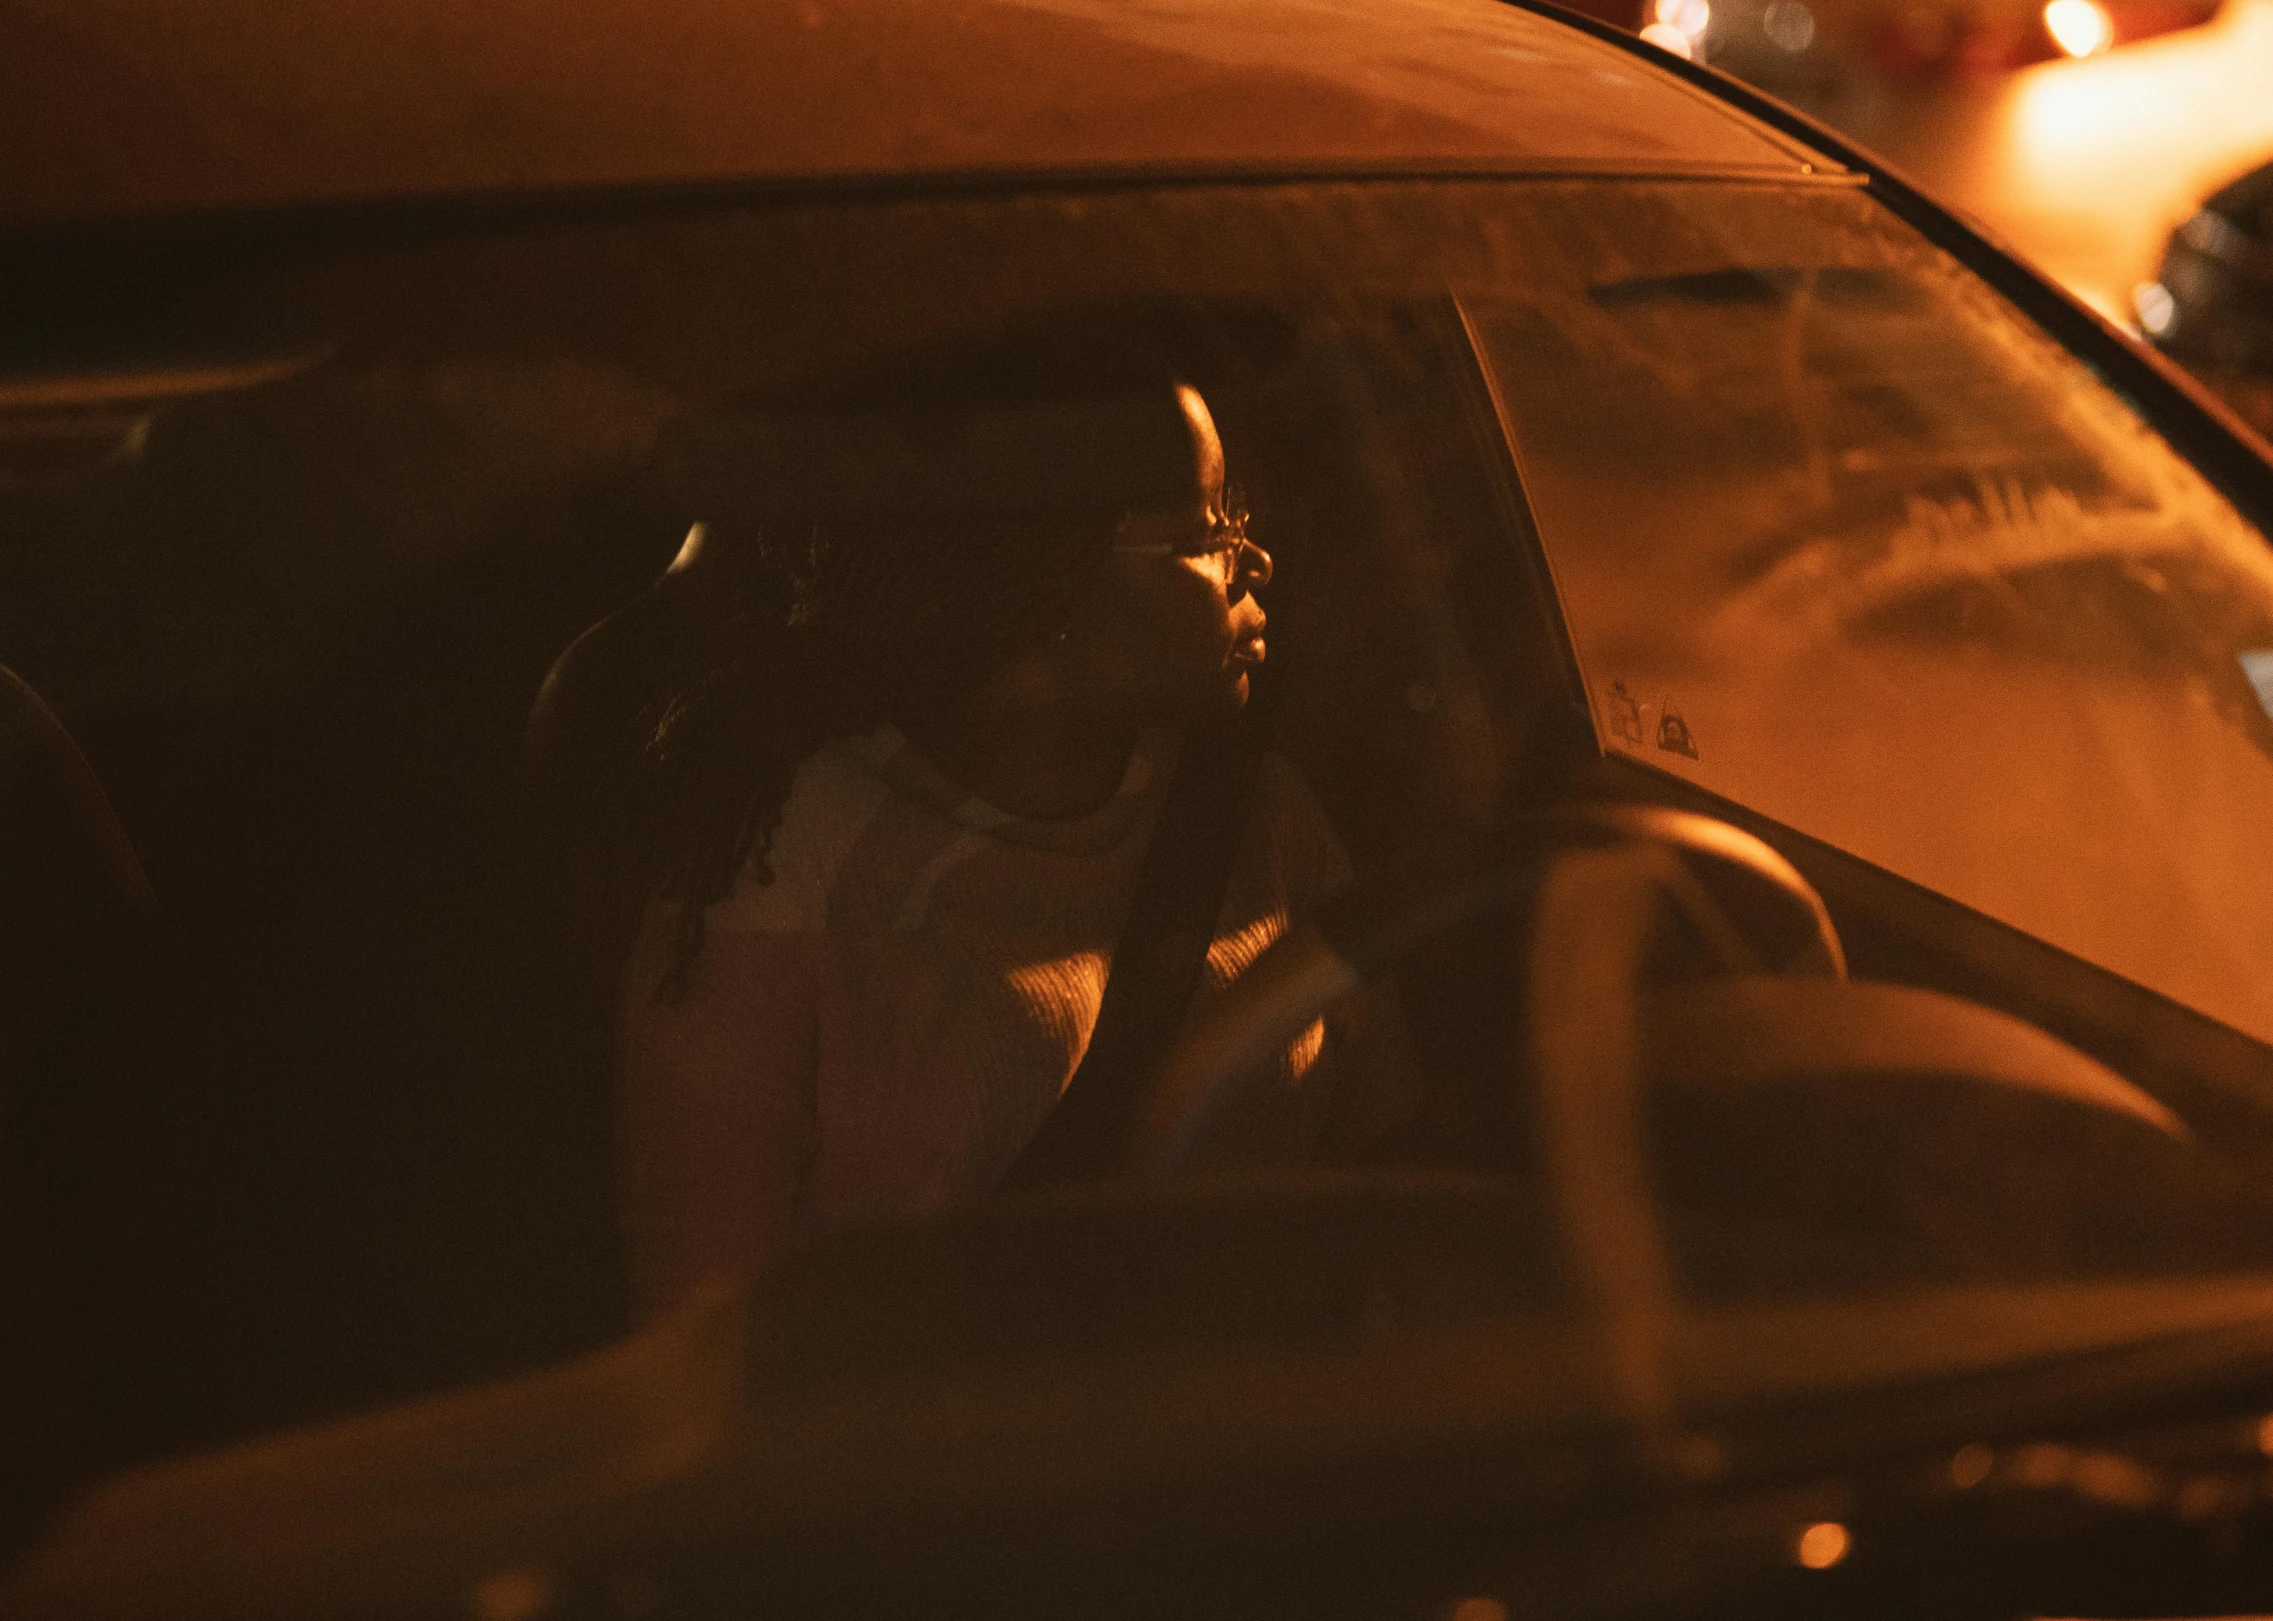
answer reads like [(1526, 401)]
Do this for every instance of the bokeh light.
[(1822, 1545), (1789, 25), (2079, 27), (2155, 306), (1690, 18)]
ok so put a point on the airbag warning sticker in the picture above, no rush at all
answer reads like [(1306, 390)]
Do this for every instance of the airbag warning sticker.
[(1638, 724)]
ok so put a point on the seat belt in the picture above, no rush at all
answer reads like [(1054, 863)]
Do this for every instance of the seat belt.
[(1157, 961)]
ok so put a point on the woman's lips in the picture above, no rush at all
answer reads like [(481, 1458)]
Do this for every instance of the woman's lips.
[(1249, 650)]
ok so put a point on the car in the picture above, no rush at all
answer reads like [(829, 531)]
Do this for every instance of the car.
[(2206, 307), (1824, 55), (1792, 691)]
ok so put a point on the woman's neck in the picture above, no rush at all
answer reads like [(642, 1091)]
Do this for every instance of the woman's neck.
[(1045, 766)]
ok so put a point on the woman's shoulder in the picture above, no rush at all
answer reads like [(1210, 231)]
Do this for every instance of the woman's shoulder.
[(833, 800)]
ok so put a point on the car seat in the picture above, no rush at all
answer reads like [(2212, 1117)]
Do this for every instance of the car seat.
[(74, 955), (577, 907)]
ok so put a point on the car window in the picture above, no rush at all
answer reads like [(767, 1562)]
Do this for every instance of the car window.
[(292, 529), (1843, 537)]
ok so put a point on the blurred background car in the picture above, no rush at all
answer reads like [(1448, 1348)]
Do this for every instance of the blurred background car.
[(2211, 305), (2082, 133), (1794, 46)]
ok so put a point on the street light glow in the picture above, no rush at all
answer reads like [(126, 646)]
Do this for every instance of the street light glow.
[(1822, 1545), (2157, 309), (2079, 27)]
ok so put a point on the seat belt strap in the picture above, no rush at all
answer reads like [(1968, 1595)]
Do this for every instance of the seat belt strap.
[(1158, 960)]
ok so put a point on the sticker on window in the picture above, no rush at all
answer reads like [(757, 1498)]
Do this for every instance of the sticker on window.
[(1645, 724), (1622, 715), (1673, 732)]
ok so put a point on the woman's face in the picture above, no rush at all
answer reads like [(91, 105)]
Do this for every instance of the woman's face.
[(1172, 628)]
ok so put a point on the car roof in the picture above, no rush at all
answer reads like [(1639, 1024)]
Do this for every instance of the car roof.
[(113, 108)]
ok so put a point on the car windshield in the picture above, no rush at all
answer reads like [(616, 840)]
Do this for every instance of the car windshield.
[(1846, 540), (463, 1046)]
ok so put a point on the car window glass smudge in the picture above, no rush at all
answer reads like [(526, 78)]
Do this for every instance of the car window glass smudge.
[(1915, 580)]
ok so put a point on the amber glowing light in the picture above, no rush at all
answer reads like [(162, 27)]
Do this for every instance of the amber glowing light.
[(2079, 27), (1679, 25), (1822, 1545)]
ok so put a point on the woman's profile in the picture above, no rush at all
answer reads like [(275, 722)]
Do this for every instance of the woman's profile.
[(909, 786)]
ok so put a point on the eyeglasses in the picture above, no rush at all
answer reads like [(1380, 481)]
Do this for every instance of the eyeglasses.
[(1221, 535)]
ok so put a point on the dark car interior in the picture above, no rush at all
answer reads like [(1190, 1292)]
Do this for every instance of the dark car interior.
[(334, 583), (300, 626)]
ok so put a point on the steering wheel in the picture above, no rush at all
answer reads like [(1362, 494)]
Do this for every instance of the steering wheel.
[(1744, 907)]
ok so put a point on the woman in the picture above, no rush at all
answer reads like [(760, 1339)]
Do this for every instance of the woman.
[(917, 781)]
